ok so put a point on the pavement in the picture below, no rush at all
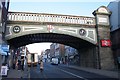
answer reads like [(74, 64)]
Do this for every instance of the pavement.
[(108, 73), (14, 73), (17, 74)]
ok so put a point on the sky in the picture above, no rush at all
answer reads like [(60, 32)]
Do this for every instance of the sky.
[(38, 47), (66, 7)]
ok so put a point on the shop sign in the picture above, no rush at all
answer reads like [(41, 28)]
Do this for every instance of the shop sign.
[(4, 70)]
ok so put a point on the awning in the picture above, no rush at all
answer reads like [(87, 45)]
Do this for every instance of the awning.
[(2, 52), (5, 47)]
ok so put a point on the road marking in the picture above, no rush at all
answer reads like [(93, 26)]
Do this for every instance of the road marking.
[(74, 74)]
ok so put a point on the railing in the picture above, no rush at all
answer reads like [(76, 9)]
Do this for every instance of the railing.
[(55, 18)]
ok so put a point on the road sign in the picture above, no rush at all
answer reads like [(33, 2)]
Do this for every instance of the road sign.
[(105, 43), (4, 70)]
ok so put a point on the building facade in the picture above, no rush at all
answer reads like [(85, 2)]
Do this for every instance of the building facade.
[(114, 7), (57, 50), (71, 55), (47, 55), (52, 50), (4, 5), (64, 53)]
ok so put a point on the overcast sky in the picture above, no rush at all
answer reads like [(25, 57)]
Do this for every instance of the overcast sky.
[(67, 7)]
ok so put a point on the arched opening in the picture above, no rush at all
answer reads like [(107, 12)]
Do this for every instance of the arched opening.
[(84, 58), (51, 37)]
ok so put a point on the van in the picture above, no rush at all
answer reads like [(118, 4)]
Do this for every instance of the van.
[(32, 59), (54, 61)]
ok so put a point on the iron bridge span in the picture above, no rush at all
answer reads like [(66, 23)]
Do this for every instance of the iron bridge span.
[(25, 28)]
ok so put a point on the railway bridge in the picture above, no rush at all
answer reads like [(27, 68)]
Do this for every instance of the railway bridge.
[(89, 35)]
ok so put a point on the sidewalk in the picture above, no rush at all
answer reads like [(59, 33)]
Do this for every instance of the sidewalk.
[(14, 73), (111, 74)]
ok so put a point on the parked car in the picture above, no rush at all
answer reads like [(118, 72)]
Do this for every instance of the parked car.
[(54, 61)]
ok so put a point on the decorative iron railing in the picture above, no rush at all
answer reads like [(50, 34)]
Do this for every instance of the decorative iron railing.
[(54, 18)]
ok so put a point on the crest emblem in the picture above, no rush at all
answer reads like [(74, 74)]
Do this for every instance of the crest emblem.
[(82, 32), (50, 28), (16, 29)]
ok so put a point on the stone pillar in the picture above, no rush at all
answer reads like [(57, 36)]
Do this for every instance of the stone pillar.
[(105, 55)]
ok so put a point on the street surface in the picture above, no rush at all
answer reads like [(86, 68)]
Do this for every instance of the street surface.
[(63, 72)]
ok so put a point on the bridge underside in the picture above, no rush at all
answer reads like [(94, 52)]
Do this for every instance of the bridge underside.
[(86, 49), (45, 37)]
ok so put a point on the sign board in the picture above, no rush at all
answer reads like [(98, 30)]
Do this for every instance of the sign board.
[(102, 20), (5, 48), (4, 70), (105, 43)]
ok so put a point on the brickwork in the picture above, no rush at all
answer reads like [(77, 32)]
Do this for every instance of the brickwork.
[(103, 29), (106, 56), (88, 57)]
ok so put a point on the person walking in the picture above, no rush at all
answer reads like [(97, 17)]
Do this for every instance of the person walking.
[(22, 64), (41, 65)]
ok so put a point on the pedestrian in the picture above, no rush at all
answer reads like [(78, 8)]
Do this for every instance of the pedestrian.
[(16, 64), (13, 64), (19, 64), (22, 64), (41, 65)]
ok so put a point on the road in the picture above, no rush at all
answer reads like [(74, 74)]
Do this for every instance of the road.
[(62, 72)]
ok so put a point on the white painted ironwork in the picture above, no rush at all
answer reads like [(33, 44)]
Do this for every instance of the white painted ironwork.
[(53, 18)]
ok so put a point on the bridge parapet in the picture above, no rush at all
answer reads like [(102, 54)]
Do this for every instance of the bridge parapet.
[(52, 18)]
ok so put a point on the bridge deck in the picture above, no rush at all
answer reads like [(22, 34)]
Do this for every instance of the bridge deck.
[(50, 18)]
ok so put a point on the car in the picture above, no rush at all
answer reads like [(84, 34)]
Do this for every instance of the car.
[(54, 61)]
